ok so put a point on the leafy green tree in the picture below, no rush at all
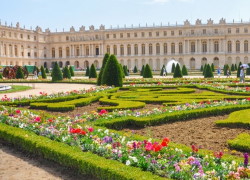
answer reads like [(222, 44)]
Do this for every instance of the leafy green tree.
[(92, 72), (177, 71), (44, 76), (46, 70), (238, 70), (71, 70), (173, 68), (212, 67), (112, 74), (135, 70), (104, 61), (232, 67), (19, 73), (142, 70), (208, 73), (66, 73), (147, 72), (162, 70), (123, 75), (201, 69), (184, 70), (56, 73), (87, 71)]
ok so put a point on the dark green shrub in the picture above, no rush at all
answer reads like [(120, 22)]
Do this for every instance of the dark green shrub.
[(19, 73), (125, 70), (142, 70), (235, 67), (184, 71), (112, 74), (204, 69), (44, 76), (232, 67), (248, 70), (238, 70), (46, 70), (71, 70), (123, 75), (147, 72), (1, 76), (201, 69), (92, 72), (208, 73), (162, 70), (87, 71), (135, 70), (173, 68), (56, 73), (104, 61), (177, 72), (212, 67), (226, 67), (66, 73)]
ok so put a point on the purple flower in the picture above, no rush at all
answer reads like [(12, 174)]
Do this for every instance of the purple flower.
[(246, 156), (107, 139)]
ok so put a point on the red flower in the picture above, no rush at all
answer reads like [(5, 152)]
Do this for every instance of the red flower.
[(157, 147), (218, 154), (194, 149), (165, 142), (103, 111), (18, 111), (248, 99), (82, 132), (38, 119), (247, 88), (50, 120), (90, 129)]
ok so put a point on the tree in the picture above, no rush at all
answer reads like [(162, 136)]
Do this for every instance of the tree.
[(162, 70), (184, 71), (104, 61), (135, 70), (212, 67), (56, 73), (208, 73), (125, 70), (225, 69), (204, 69), (235, 67), (46, 70), (238, 70), (112, 74), (19, 73), (1, 76), (44, 76), (123, 75), (92, 72), (173, 68), (177, 72), (232, 67), (248, 70), (71, 70), (66, 73), (201, 68), (142, 70), (147, 72), (87, 71)]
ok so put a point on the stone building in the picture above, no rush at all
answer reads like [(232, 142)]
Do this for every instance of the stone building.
[(189, 44)]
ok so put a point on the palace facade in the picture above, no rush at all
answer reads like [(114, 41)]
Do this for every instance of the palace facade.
[(189, 44)]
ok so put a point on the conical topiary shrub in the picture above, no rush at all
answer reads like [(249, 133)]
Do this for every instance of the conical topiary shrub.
[(147, 72), (142, 70), (225, 69), (104, 61), (56, 73), (162, 70), (92, 72), (125, 70), (66, 73), (184, 71), (44, 76), (177, 72), (201, 69), (71, 70), (123, 75), (19, 73), (232, 67), (208, 73), (238, 70), (46, 70), (87, 71), (204, 69), (248, 70), (173, 68), (135, 70), (212, 67), (235, 67), (112, 74)]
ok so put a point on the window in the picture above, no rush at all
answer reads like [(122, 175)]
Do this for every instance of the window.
[(129, 50), (34, 38), (229, 30), (157, 33), (35, 54), (237, 46), (192, 32), (128, 35), (97, 51), (173, 48), (67, 38), (158, 49), (150, 49), (150, 34), (229, 46), (204, 46), (172, 33), (77, 51), (204, 31), (96, 36), (121, 35), (108, 49), (216, 46), (180, 48), (136, 49), (192, 47), (165, 48), (16, 53), (60, 52), (165, 33), (142, 34), (28, 54), (215, 31), (67, 52), (245, 30), (245, 46), (237, 30), (143, 49), (9, 34), (15, 35), (28, 36), (53, 53), (122, 50), (180, 32), (114, 36), (107, 36), (21, 36), (115, 49), (135, 34)]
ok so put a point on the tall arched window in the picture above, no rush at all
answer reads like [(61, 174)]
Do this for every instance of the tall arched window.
[(16, 52), (246, 46), (204, 61), (204, 46), (53, 53), (122, 50), (60, 52), (150, 49), (87, 50), (216, 62), (67, 52), (192, 47), (180, 48), (115, 49), (192, 63), (172, 48), (143, 51), (229, 46), (10, 50), (237, 46), (136, 49), (216, 46), (108, 49), (165, 48), (77, 51), (158, 48), (129, 49)]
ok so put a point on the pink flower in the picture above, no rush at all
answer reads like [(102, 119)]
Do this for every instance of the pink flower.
[(90, 129), (149, 146), (103, 111), (18, 111), (37, 119)]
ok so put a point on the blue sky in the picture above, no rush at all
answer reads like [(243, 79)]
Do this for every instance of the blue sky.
[(59, 14)]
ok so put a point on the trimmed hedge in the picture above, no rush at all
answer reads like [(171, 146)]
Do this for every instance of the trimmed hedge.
[(72, 157), (241, 142)]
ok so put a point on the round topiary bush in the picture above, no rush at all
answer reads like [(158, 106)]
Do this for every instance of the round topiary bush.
[(19, 73), (112, 74), (177, 72), (66, 73), (208, 73), (87, 71), (104, 61), (44, 76), (92, 72), (184, 71), (56, 73), (147, 72), (71, 70)]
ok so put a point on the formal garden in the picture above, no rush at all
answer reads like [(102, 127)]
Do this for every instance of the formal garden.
[(136, 128)]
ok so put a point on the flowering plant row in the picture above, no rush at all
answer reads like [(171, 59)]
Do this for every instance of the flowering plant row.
[(149, 155)]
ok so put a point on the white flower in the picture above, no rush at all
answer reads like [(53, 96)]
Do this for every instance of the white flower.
[(133, 158), (106, 131), (128, 163)]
